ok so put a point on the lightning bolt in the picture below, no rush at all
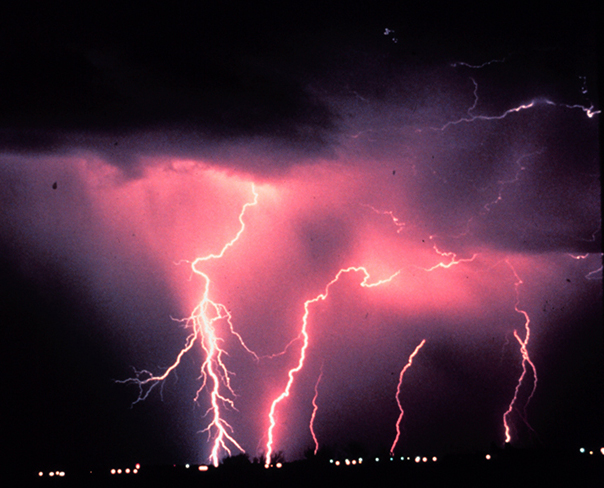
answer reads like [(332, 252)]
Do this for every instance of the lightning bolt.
[(487, 206), (398, 394), (478, 66), (471, 117), (451, 263), (579, 256), (214, 373), (395, 220), (303, 336), (527, 363), (595, 274), (526, 360), (589, 111), (315, 407)]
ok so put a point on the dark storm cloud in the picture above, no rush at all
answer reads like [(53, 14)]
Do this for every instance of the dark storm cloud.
[(208, 73), (110, 77)]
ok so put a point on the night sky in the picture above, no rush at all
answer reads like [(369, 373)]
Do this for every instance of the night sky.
[(454, 152)]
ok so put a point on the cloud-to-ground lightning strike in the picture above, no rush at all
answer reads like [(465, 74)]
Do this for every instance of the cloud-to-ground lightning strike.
[(526, 360), (206, 212), (315, 407), (398, 394), (304, 337), (213, 370)]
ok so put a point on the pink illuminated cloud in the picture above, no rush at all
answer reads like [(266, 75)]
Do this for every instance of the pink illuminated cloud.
[(225, 247)]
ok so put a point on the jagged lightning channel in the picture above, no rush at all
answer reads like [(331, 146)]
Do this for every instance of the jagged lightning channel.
[(315, 407), (471, 117), (526, 360), (214, 373), (303, 336), (398, 394)]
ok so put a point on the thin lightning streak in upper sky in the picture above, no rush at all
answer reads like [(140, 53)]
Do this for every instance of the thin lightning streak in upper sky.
[(398, 394), (589, 111), (304, 336), (477, 66), (471, 117)]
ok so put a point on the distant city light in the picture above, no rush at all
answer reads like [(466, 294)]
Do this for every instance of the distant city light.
[(52, 473), (347, 462), (137, 466), (377, 460)]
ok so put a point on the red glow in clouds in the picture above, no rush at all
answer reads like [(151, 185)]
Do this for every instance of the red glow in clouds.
[(271, 214), (450, 287)]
